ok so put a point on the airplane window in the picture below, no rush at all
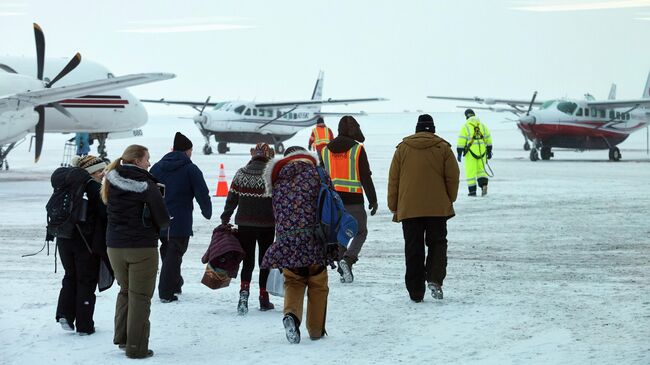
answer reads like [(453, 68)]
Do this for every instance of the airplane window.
[(627, 116), (611, 114), (579, 113), (110, 75), (618, 115), (269, 113), (547, 104), (603, 113), (247, 112), (219, 106), (295, 116), (594, 112), (586, 112), (255, 112), (278, 114), (239, 109), (567, 107)]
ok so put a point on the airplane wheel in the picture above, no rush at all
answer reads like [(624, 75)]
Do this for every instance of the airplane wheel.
[(546, 153), (526, 146), (614, 154), (533, 155), (222, 147), (279, 148), (207, 149)]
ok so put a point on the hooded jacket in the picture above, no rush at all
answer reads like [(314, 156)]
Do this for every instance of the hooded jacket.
[(184, 182), (294, 184), (136, 210), (343, 143), (423, 178)]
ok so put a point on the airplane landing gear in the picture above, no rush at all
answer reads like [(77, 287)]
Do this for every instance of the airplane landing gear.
[(222, 147), (3, 155), (101, 147), (534, 156), (614, 154), (207, 149), (546, 153), (279, 148)]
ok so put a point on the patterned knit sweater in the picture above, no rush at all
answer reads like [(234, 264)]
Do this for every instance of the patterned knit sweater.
[(248, 195)]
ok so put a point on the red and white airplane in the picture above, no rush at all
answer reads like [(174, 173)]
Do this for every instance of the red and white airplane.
[(580, 124), (90, 99)]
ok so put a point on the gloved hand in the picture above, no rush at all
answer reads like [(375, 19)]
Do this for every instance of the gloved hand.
[(49, 237), (309, 148), (373, 208), (460, 153), (489, 152)]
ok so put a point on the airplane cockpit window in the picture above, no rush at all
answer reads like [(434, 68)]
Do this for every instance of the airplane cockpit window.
[(110, 75), (567, 107), (547, 104), (247, 112), (219, 106), (579, 113), (240, 109)]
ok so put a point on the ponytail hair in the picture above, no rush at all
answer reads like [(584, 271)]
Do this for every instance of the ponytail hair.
[(130, 155)]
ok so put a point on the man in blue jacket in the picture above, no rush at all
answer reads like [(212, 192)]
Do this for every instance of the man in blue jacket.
[(184, 182)]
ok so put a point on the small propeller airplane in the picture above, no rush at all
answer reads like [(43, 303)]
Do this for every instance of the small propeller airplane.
[(580, 124), (27, 102), (253, 122)]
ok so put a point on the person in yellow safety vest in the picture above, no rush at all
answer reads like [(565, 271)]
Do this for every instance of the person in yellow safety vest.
[(345, 160), (475, 143), (320, 136)]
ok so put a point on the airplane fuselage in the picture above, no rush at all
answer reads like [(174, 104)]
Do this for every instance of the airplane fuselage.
[(16, 118), (114, 111)]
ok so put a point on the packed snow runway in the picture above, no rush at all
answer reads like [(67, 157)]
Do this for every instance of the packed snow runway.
[(550, 267)]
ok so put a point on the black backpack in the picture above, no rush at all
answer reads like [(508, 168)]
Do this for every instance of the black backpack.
[(67, 206)]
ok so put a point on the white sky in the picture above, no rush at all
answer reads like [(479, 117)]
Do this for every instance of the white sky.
[(402, 50)]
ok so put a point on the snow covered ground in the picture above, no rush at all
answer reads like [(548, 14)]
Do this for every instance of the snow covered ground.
[(551, 267)]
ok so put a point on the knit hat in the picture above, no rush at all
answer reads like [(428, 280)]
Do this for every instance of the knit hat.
[(89, 163), (263, 150), (320, 120), (469, 113), (181, 143), (425, 124)]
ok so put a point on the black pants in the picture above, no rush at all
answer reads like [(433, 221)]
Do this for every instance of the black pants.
[(248, 236), (431, 231), (77, 296), (171, 255)]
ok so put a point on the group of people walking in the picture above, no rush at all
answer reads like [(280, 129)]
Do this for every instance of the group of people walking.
[(276, 204)]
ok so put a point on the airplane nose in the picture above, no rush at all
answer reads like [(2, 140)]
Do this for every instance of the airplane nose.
[(527, 119)]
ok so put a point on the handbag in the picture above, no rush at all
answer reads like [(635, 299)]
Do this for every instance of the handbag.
[(275, 283), (215, 278)]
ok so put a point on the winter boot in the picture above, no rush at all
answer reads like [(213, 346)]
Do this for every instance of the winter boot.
[(242, 306), (436, 290), (173, 298), (484, 190), (472, 191), (67, 326), (265, 303), (346, 269), (291, 329)]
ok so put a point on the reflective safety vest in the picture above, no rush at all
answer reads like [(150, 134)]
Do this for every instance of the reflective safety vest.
[(321, 136), (344, 169), (474, 137)]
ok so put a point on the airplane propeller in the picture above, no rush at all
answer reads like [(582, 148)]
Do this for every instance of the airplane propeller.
[(201, 119), (40, 63), (532, 101), (529, 119)]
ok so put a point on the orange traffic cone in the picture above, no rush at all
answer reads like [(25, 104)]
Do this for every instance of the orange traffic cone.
[(222, 185)]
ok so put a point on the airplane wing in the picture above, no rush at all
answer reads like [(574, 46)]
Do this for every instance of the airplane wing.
[(328, 114), (50, 95), (619, 103), (490, 101), (178, 102), (492, 108), (316, 102)]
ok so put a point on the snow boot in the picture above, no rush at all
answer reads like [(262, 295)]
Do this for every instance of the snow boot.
[(484, 190), (291, 329), (436, 290), (265, 303), (242, 306), (346, 270), (67, 326), (173, 298)]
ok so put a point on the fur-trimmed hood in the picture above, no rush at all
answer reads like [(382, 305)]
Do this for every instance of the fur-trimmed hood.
[(274, 166), (132, 178)]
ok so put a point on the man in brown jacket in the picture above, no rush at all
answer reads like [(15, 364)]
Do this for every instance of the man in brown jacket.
[(422, 187)]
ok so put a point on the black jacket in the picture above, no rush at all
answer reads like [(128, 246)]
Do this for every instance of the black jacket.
[(136, 209), (341, 144), (184, 182)]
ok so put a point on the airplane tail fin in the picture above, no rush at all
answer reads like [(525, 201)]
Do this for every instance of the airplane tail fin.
[(646, 91), (317, 94), (612, 93)]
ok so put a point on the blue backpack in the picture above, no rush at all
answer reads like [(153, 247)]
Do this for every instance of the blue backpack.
[(335, 225)]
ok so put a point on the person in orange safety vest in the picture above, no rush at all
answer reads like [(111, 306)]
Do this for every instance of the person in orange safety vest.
[(320, 136), (345, 159)]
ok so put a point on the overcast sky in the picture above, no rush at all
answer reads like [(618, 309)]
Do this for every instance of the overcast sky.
[(402, 50)]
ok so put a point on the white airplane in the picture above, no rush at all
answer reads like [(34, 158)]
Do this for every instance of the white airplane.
[(580, 124), (254, 122), (103, 114)]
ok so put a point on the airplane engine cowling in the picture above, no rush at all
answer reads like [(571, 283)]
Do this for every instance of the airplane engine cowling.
[(200, 119)]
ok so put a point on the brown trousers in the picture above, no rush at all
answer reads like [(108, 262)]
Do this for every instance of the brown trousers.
[(314, 279), (135, 270)]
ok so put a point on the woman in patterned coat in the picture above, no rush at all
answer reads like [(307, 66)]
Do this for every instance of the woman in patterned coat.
[(294, 184)]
